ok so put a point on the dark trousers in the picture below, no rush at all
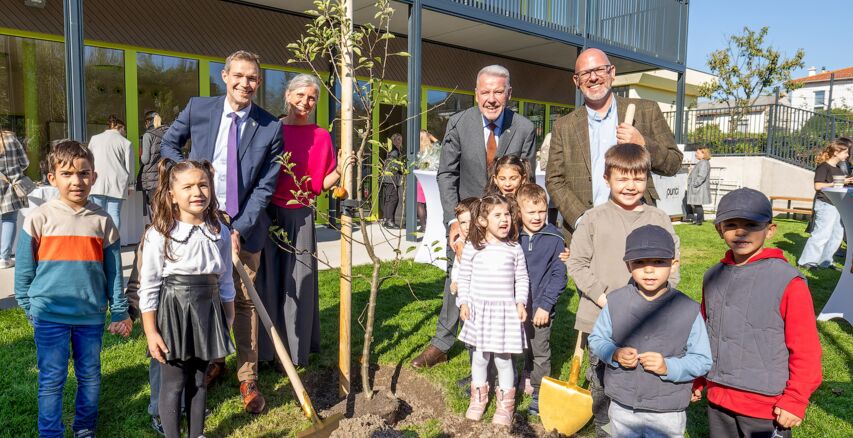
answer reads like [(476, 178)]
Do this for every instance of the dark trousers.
[(388, 198), (538, 356), (179, 377), (723, 423), (694, 213), (600, 400), (448, 319)]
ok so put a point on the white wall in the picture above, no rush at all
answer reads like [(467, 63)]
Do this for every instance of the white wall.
[(767, 175), (842, 94)]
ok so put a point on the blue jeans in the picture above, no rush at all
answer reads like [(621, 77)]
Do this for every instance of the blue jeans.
[(7, 233), (826, 237), (111, 205), (52, 353)]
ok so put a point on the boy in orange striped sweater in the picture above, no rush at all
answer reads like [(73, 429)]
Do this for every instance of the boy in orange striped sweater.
[(68, 274)]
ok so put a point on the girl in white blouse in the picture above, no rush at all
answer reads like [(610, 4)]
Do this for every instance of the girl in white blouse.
[(186, 293)]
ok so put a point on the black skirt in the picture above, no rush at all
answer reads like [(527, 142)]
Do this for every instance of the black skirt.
[(191, 318)]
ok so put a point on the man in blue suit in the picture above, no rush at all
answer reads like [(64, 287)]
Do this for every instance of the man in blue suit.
[(241, 140)]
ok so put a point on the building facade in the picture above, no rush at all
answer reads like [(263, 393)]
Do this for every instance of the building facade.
[(818, 88), (155, 55)]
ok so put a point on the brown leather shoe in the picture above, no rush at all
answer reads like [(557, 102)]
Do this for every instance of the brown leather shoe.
[(253, 401), (215, 372), (430, 357)]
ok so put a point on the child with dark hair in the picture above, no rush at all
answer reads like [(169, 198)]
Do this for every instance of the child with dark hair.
[(68, 273), (506, 175), (492, 300), (761, 326), (186, 292)]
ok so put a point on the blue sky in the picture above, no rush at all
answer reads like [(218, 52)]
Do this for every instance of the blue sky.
[(823, 28)]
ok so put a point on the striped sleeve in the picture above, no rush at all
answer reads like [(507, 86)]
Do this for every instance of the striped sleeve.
[(522, 280), (465, 268)]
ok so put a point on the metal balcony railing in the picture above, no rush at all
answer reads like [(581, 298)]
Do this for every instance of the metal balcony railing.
[(655, 28), (561, 15)]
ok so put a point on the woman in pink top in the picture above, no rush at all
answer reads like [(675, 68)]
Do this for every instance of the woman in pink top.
[(287, 278)]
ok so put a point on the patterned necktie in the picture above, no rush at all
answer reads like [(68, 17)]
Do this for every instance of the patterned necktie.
[(491, 145), (232, 203)]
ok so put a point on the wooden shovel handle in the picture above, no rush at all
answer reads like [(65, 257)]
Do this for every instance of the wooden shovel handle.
[(575, 370), (629, 113), (283, 357)]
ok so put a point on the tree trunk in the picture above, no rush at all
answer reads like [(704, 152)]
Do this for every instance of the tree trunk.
[(368, 330)]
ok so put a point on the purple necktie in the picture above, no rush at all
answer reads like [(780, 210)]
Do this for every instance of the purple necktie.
[(232, 203)]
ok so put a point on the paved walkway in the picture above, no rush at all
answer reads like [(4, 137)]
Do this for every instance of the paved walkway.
[(328, 254)]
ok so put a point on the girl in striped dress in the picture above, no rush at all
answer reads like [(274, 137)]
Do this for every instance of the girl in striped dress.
[(493, 286)]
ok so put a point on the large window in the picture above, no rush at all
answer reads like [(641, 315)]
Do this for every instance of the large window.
[(557, 112), (32, 94), (441, 105), (105, 93), (535, 112), (166, 84)]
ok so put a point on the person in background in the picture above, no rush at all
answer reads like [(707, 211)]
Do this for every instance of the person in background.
[(13, 162), (828, 231), (390, 182), (428, 156), (698, 187), (287, 278), (114, 159), (150, 155)]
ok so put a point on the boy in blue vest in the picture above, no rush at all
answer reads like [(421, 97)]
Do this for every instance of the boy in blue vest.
[(761, 326), (652, 339), (543, 245)]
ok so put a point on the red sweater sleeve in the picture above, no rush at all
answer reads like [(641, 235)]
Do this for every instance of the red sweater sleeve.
[(801, 338)]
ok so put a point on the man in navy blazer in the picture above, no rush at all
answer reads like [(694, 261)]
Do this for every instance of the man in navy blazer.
[(209, 122)]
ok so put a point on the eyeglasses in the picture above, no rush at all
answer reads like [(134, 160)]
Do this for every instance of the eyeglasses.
[(598, 71)]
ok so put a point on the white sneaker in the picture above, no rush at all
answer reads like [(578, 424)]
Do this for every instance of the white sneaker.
[(6, 263)]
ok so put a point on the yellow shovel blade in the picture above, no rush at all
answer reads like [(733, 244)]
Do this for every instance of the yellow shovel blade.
[(564, 406)]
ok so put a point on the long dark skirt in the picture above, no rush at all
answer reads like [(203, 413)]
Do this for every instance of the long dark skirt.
[(287, 284)]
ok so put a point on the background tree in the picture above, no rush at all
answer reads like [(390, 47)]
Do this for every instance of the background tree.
[(746, 68)]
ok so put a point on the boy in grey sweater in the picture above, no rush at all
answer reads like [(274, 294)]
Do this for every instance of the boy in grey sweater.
[(598, 245)]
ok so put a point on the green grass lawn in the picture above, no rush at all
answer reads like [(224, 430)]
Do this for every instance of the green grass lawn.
[(405, 322)]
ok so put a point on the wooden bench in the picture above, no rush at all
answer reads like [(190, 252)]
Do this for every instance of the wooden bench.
[(789, 209)]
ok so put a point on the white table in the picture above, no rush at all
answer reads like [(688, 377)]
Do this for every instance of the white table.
[(840, 304), (132, 220), (432, 247)]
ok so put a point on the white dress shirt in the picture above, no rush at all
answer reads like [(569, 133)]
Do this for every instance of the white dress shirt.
[(220, 150), (203, 253)]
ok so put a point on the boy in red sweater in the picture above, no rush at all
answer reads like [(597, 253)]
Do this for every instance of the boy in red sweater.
[(761, 326)]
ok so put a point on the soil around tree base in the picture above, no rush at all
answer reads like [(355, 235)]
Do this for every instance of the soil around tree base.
[(402, 399)]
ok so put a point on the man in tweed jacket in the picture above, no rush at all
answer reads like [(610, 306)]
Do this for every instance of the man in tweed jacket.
[(576, 164)]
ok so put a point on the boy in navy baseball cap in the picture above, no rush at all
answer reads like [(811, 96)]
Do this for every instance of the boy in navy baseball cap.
[(653, 340), (761, 326)]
